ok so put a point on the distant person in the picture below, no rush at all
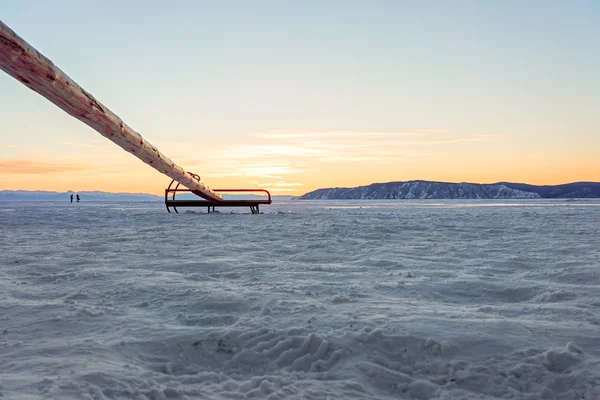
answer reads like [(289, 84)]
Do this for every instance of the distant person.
[(71, 198), (78, 197)]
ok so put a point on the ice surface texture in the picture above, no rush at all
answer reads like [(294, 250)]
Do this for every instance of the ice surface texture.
[(312, 300)]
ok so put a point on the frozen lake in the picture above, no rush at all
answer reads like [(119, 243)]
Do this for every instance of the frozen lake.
[(311, 300)]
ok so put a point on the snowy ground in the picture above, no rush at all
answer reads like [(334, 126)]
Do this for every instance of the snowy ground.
[(311, 300)]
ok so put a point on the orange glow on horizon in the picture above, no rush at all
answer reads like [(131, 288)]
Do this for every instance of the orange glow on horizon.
[(135, 177), (296, 163)]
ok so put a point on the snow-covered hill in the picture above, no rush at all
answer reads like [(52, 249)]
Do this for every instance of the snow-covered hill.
[(421, 190)]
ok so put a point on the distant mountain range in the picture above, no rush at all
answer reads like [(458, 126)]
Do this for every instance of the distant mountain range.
[(444, 190), (391, 190), (28, 195)]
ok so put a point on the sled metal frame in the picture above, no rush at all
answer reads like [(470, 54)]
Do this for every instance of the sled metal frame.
[(171, 192)]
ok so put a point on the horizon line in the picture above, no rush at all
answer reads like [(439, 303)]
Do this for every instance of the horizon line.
[(321, 188)]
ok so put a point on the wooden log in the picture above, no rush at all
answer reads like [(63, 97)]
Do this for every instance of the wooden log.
[(24, 63)]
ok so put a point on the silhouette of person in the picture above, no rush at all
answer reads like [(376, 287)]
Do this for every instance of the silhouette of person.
[(71, 198), (78, 197)]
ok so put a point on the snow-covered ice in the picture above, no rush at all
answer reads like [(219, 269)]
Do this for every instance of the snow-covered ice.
[(311, 300)]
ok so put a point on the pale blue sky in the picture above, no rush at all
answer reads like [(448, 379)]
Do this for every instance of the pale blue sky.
[(215, 74)]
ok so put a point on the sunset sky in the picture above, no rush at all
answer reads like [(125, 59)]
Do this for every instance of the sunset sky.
[(292, 96)]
